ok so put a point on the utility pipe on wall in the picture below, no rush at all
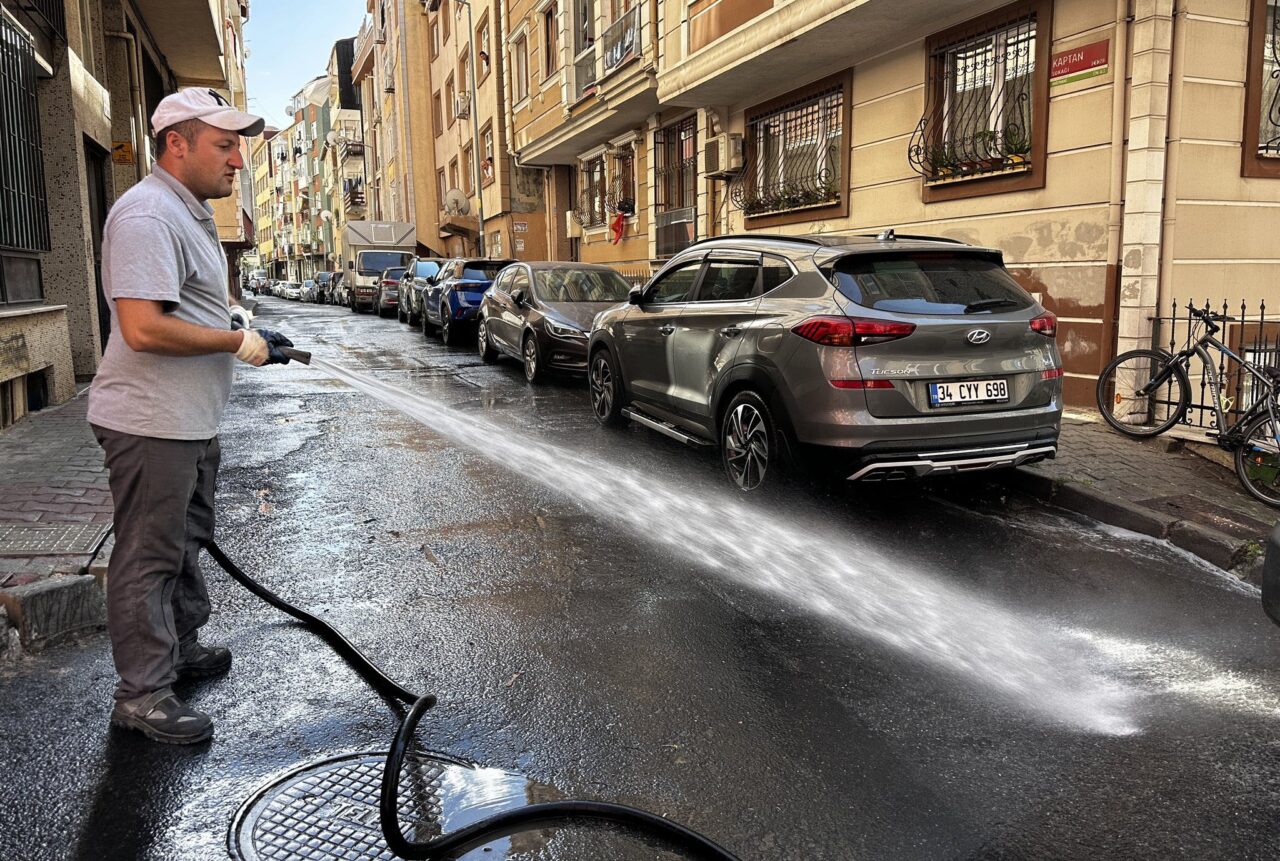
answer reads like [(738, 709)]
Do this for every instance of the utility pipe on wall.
[(135, 96)]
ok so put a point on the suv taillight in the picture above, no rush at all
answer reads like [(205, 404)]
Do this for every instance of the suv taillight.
[(1046, 324), (849, 331)]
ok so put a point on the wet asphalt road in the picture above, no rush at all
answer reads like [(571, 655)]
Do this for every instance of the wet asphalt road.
[(608, 660)]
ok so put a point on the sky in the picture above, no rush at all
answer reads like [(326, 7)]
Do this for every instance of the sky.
[(289, 44)]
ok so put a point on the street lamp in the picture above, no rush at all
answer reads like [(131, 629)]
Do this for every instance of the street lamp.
[(434, 6)]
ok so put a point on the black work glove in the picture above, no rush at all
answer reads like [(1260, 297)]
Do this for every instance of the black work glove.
[(274, 342)]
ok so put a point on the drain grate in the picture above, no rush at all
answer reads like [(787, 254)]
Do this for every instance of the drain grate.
[(60, 540), (329, 809)]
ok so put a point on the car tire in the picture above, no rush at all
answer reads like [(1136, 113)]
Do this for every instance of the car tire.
[(448, 329), (400, 315), (750, 444), (531, 359), (487, 353), (606, 388)]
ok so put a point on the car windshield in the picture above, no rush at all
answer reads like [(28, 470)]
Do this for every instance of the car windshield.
[(308, 283), (393, 274), (373, 262), (483, 270), (426, 269), (929, 283), (581, 285)]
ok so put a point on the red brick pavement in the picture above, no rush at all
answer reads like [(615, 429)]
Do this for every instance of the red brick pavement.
[(51, 472), (51, 469)]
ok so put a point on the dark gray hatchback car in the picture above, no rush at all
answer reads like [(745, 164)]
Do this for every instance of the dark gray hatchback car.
[(871, 358)]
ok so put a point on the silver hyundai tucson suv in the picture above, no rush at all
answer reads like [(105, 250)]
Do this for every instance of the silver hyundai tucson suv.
[(867, 357)]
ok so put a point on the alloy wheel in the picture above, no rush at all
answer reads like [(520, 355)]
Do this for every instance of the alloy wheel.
[(530, 359), (746, 445), (444, 324), (601, 380)]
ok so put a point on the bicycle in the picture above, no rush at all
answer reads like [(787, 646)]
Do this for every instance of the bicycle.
[(1143, 393)]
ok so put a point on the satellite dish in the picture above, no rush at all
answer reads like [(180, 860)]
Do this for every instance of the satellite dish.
[(326, 215), (456, 203), (331, 138)]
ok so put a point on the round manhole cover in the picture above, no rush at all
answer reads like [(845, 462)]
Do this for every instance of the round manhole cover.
[(329, 809)]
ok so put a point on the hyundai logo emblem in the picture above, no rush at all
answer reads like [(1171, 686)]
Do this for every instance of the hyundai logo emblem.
[(978, 336)]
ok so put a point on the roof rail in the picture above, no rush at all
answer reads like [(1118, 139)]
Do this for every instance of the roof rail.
[(767, 237), (890, 235)]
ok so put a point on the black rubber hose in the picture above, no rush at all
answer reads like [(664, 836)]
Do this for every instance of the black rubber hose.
[(684, 840), (370, 671)]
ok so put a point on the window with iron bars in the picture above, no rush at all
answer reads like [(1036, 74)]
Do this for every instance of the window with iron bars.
[(794, 155), (24, 213), (986, 98), (675, 183), (1261, 147), (591, 198)]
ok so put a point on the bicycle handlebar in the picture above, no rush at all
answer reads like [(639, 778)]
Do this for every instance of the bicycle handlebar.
[(1209, 316)]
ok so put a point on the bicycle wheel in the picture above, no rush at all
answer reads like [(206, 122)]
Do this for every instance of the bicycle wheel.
[(1258, 460), (1137, 414)]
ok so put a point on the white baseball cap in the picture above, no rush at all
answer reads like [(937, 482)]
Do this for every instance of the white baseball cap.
[(208, 106)]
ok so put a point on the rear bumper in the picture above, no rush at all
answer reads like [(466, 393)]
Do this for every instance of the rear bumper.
[(952, 461)]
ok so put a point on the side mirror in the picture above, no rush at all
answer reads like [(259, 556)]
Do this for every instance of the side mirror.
[(351, 264), (517, 296), (636, 296)]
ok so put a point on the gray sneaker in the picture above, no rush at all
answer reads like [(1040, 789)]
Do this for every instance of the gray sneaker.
[(200, 661), (163, 717)]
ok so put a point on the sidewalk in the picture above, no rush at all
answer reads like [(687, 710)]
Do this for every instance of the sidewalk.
[(55, 515), (1156, 487), (52, 477)]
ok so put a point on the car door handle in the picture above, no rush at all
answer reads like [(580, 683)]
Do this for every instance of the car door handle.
[(667, 329), (731, 331)]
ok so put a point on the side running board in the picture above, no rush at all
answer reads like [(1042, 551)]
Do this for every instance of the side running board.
[(662, 427)]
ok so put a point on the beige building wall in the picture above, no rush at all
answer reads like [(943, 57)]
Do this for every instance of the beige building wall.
[(1220, 228), (590, 95)]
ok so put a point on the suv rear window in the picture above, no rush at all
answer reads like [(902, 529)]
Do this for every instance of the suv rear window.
[(928, 283), (483, 270)]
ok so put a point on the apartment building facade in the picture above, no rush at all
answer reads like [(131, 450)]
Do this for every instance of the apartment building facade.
[(391, 72), (343, 153), (80, 79)]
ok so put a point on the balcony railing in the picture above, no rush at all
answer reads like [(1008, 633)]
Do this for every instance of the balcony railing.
[(351, 149), (584, 74), (52, 12), (622, 40)]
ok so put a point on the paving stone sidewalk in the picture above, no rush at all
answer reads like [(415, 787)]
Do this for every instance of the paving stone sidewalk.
[(1165, 487), (52, 476)]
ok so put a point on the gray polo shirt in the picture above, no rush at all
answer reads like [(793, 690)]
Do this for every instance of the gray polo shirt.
[(161, 243)]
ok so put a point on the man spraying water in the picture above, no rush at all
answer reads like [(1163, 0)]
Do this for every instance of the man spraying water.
[(156, 403)]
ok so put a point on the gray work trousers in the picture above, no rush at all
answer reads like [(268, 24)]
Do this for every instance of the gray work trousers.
[(162, 490)]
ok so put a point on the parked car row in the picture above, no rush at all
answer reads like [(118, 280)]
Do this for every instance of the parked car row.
[(868, 358), (325, 288)]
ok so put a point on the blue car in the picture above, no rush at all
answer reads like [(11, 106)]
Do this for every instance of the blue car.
[(452, 302)]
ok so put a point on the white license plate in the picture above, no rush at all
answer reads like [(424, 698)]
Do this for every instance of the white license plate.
[(972, 392)]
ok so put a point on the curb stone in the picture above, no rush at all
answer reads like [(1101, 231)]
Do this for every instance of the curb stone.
[(10, 649), (1236, 555), (45, 611)]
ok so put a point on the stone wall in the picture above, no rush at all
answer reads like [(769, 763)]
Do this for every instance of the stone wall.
[(35, 339)]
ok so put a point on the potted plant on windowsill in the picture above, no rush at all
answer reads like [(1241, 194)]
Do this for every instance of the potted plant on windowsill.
[(943, 161), (1017, 147)]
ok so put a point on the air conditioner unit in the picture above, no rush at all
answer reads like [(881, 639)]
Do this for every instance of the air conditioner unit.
[(723, 155), (572, 228), (461, 107)]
